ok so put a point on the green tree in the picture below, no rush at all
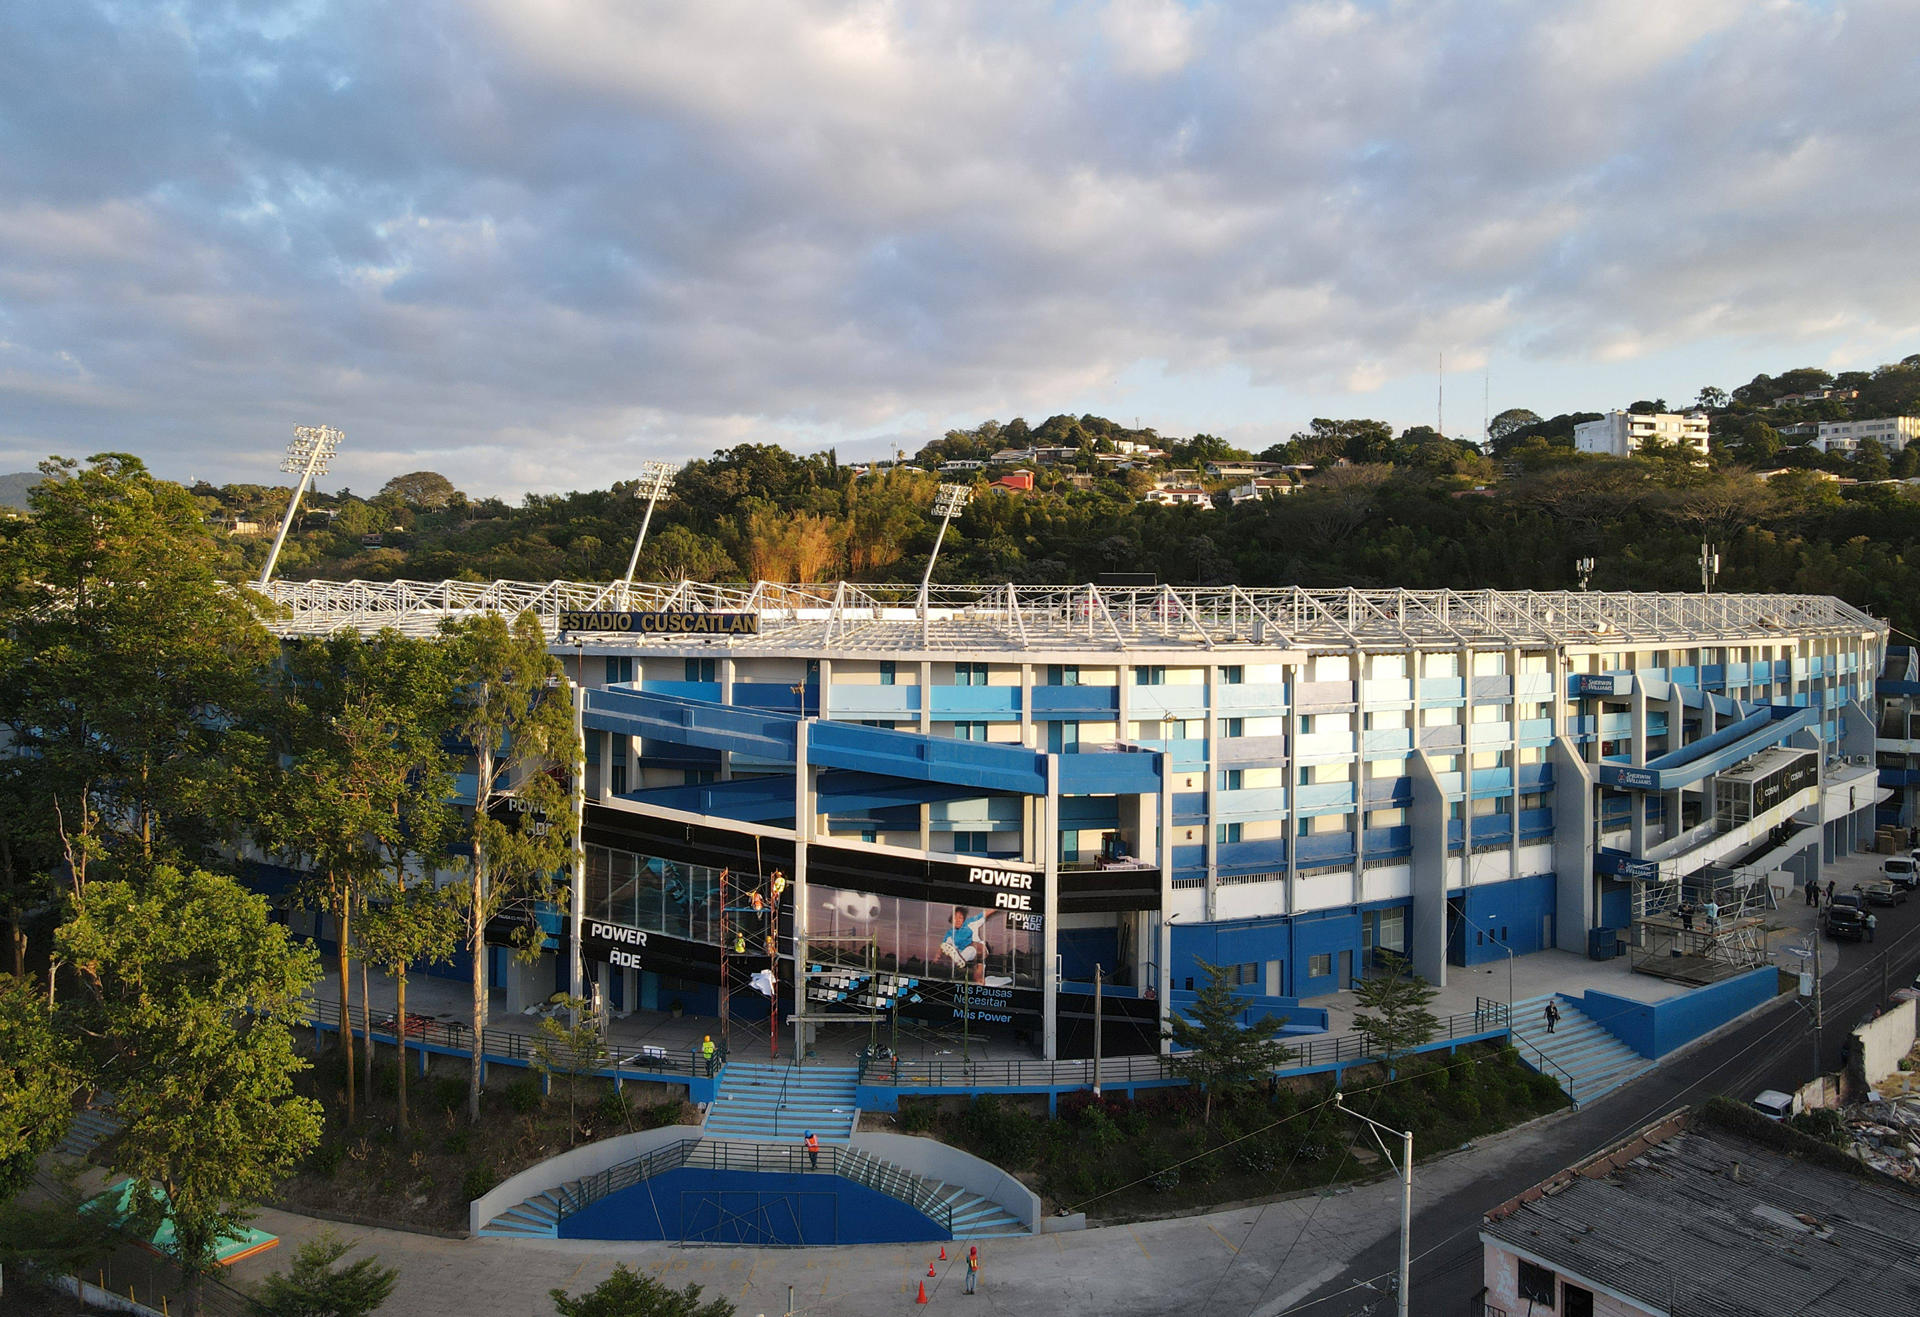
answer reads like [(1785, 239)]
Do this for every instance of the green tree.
[(128, 672), (317, 1286), (406, 924), (571, 1048), (191, 996), (1712, 399), (627, 1293), (1222, 1055), (420, 489), (1394, 1012), (1870, 461), (1513, 418), (38, 1078), (514, 713)]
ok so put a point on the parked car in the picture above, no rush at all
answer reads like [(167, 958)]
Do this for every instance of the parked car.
[(1882, 891), (1846, 918), (1775, 1105), (1904, 870)]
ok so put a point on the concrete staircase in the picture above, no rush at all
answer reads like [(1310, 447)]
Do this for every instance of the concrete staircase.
[(1586, 1059), (90, 1129), (972, 1216), (780, 1103)]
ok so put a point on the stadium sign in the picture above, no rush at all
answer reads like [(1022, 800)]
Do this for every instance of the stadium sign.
[(624, 622)]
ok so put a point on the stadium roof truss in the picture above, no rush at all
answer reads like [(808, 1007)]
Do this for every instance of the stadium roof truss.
[(845, 617)]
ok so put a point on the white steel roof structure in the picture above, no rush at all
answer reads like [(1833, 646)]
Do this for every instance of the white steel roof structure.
[(889, 619)]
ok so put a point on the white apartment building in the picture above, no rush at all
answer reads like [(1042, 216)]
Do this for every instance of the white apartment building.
[(1893, 432), (1619, 434)]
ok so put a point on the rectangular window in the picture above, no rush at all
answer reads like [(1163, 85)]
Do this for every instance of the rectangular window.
[(1063, 738), (619, 670), (700, 669), (1247, 976), (1230, 779), (1059, 674), (1320, 966), (1306, 724), (1233, 676), (970, 843), (970, 731), (1153, 675), (1233, 727), (618, 779), (697, 777), (813, 672), (969, 674), (1226, 834), (1536, 1284), (887, 672)]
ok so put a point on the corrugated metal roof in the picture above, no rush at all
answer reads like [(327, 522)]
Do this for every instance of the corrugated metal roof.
[(1699, 1224)]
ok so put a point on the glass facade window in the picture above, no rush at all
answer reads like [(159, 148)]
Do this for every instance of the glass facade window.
[(701, 669), (619, 669), (661, 896), (887, 673), (969, 674), (1153, 675), (1061, 674), (1233, 676), (925, 939)]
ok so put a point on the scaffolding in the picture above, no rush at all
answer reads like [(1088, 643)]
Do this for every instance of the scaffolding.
[(1708, 926), (751, 929)]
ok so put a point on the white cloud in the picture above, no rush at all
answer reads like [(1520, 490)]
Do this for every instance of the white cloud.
[(537, 241)]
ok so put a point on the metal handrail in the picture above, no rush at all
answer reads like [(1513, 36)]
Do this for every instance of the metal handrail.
[(1560, 1073), (1019, 1072), (497, 1041)]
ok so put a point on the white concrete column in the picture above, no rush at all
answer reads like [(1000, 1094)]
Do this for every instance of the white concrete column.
[(1049, 931), (804, 805)]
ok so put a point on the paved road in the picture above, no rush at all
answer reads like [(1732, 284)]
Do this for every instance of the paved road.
[(1772, 1049)]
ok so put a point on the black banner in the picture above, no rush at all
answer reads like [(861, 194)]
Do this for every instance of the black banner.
[(618, 945)]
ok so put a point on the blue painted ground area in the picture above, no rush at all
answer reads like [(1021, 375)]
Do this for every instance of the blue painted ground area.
[(752, 1207)]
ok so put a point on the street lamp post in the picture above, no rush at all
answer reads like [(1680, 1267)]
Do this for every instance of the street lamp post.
[(1406, 1194), (656, 478), (309, 455)]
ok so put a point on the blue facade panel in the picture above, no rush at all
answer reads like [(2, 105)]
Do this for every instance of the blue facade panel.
[(1517, 915), (751, 1207)]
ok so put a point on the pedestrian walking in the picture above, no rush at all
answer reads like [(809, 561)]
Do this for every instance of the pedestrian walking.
[(1553, 1016), (973, 1266), (813, 1151), (1829, 891), (706, 1052)]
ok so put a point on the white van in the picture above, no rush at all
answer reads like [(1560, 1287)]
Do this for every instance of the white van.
[(1903, 871), (1775, 1105)]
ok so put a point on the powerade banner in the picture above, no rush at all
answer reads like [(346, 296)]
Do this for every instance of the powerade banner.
[(619, 945), (660, 624)]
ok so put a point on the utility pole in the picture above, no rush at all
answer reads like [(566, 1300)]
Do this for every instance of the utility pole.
[(1406, 1195), (1096, 1028), (309, 455), (1709, 567)]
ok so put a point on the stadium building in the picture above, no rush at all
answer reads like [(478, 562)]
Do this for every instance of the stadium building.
[(961, 806)]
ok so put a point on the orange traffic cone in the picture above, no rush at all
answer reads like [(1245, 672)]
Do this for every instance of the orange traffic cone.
[(943, 1252), (930, 1270), (923, 1293)]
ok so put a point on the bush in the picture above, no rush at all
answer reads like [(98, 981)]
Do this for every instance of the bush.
[(1165, 1181), (1824, 1124), (458, 1142), (448, 1093), (326, 1157), (477, 1181), (662, 1114), (917, 1117), (1001, 1134), (614, 1109), (523, 1095)]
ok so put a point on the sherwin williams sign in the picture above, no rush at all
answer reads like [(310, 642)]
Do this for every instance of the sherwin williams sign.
[(660, 624)]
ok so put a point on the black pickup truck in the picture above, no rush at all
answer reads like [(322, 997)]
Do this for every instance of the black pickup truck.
[(1846, 918)]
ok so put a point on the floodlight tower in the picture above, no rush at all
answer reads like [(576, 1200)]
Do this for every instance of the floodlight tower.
[(309, 455), (946, 506), (656, 478)]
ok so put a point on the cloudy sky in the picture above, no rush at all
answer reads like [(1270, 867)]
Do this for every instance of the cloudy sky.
[(530, 243)]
